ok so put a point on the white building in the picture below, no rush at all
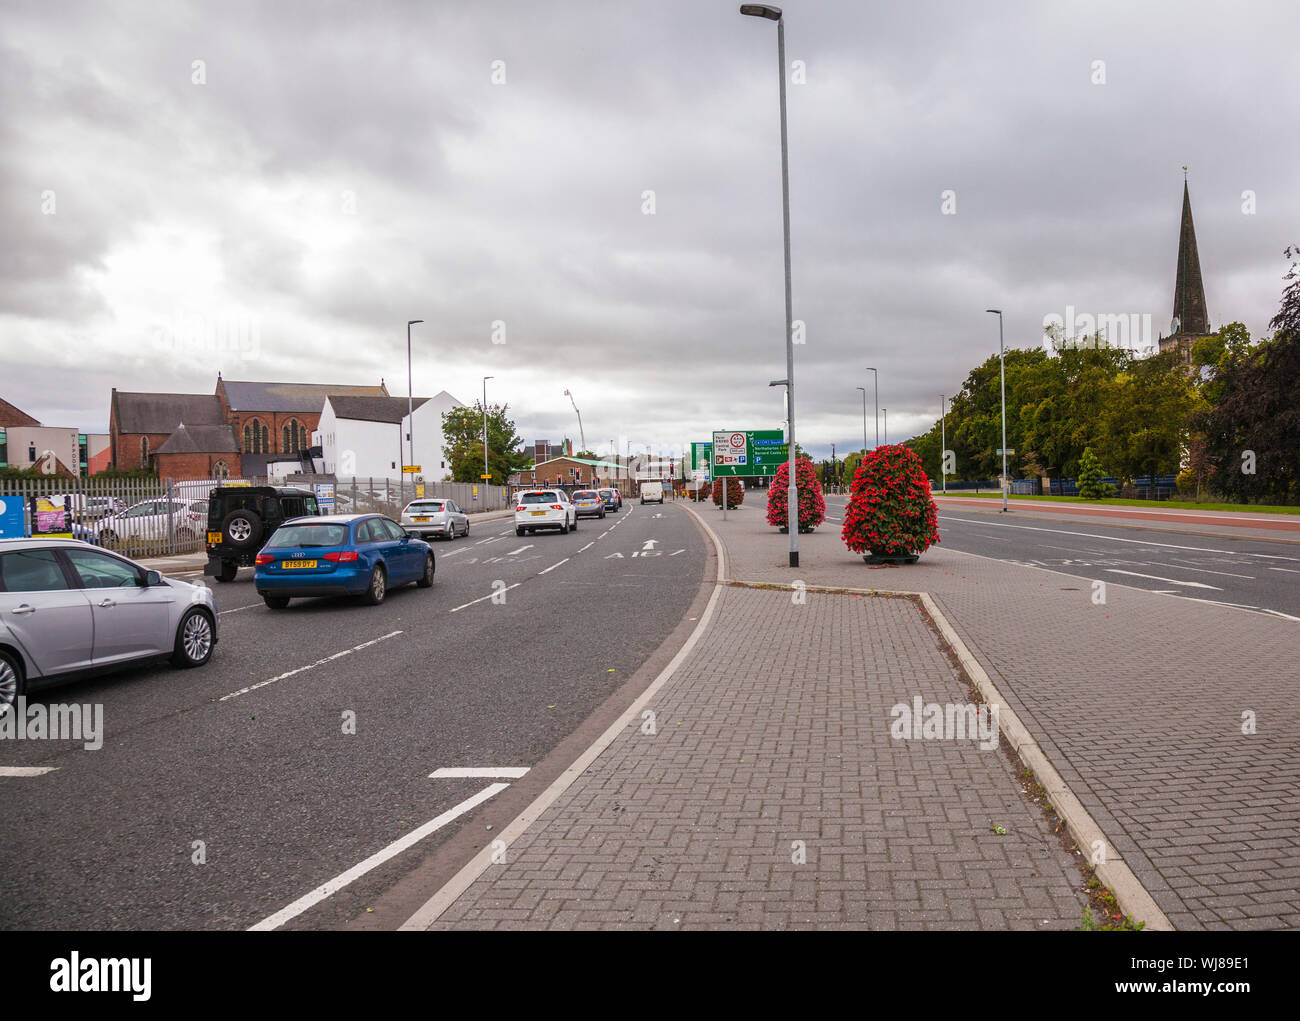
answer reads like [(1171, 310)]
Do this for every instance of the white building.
[(369, 437)]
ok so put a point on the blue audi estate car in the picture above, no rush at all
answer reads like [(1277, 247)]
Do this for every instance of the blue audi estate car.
[(340, 555)]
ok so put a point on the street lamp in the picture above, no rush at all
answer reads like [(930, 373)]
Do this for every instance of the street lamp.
[(876, 387), (864, 419), (486, 471), (1002, 359), (885, 411), (410, 400), (943, 438), (792, 503)]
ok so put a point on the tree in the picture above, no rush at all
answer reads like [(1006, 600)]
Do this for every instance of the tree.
[(1091, 486), (812, 505), (1144, 424), (462, 431), (891, 512)]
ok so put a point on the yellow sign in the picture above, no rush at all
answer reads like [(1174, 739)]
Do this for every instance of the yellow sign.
[(419, 492), (485, 476), (412, 469)]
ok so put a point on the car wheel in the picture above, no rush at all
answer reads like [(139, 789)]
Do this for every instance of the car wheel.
[(519, 531), (194, 639), (242, 528), (466, 529), (564, 528), (11, 680), (377, 589), (426, 579), (574, 527), (276, 602), (107, 538), (229, 569)]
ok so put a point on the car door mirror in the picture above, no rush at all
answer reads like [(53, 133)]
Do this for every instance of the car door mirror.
[(413, 535), (153, 578)]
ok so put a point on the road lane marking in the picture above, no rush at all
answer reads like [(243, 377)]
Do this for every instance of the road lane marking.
[(1288, 570), (588, 546), (650, 544), (495, 538), (325, 890), (463, 549), (310, 666), (553, 567), (488, 596), (236, 609), (1109, 538), (1177, 566), (478, 773), (26, 770), (519, 550), (1156, 577)]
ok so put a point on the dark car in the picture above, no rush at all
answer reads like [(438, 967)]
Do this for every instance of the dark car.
[(242, 518), (611, 498)]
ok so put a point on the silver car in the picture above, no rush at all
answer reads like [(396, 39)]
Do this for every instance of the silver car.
[(68, 609), (430, 517)]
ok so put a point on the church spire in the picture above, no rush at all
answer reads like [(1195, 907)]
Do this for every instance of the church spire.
[(1190, 315)]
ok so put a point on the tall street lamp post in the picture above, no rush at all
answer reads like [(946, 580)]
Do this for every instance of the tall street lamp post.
[(487, 472), (943, 439), (410, 406), (885, 412), (875, 376), (792, 503), (1002, 361), (864, 420)]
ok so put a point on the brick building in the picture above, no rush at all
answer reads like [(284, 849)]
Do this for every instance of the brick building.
[(140, 423), (573, 471)]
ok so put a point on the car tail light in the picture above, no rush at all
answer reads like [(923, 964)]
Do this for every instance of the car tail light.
[(263, 558), (557, 506), (341, 558), (520, 507)]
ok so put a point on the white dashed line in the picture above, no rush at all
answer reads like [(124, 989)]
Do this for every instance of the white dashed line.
[(26, 770), (478, 773), (593, 542), (481, 598), (553, 567), (310, 666)]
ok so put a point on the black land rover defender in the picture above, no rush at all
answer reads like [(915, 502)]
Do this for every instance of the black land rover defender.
[(242, 518)]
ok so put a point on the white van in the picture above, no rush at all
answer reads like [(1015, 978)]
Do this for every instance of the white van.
[(652, 492)]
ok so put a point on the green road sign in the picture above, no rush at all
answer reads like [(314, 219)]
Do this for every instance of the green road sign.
[(701, 456), (737, 452)]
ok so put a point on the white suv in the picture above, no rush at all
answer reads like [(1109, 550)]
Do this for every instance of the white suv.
[(544, 508)]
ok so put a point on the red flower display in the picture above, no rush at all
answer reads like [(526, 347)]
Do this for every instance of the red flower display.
[(812, 507), (701, 494), (735, 492), (891, 512)]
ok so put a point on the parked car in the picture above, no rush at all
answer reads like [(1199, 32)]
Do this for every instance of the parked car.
[(101, 506), (613, 499), (588, 503), (242, 518), (652, 492), (544, 508), (68, 610), (149, 521), (341, 555), (432, 517)]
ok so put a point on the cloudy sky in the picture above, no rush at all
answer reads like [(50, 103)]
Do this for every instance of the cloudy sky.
[(586, 195)]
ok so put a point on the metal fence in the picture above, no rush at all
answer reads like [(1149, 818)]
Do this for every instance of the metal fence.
[(389, 496)]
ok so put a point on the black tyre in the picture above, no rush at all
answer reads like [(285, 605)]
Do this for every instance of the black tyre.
[(574, 526), (564, 528), (229, 569), (426, 579), (466, 529), (276, 602), (12, 682), (377, 589), (519, 530), (195, 638), (242, 529)]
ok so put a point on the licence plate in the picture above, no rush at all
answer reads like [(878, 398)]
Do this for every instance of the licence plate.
[(538, 514), (421, 519), (214, 538), (289, 565)]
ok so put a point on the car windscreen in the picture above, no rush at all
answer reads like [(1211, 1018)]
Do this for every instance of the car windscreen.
[(538, 498), (308, 536), (425, 507)]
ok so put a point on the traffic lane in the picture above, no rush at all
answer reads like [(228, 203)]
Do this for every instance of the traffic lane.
[(290, 797), (1253, 575)]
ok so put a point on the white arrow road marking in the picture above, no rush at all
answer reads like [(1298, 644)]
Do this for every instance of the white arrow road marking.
[(310, 666), (650, 544), (26, 770), (519, 550), (478, 773), (553, 567), (611, 556), (375, 860), (1156, 577), (481, 598)]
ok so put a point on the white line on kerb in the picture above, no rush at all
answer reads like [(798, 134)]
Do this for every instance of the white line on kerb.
[(478, 773), (26, 770), (553, 567), (391, 851), (310, 666), (488, 596)]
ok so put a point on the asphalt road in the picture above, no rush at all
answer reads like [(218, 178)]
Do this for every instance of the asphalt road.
[(1252, 574), (282, 799)]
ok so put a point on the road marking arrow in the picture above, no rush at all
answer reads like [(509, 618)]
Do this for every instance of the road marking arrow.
[(650, 544)]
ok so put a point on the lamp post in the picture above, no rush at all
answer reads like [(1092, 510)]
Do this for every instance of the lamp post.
[(864, 420), (943, 439), (410, 408), (885, 411), (875, 376), (1002, 360), (486, 471), (792, 504)]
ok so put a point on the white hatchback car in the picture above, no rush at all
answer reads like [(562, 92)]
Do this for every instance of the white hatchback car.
[(430, 517), (544, 508)]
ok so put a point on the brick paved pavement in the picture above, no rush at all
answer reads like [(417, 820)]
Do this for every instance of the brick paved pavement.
[(779, 737), (1138, 704)]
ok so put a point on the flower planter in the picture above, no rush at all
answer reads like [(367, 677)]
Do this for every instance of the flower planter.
[(891, 558)]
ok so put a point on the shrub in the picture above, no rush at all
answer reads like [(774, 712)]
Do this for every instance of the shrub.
[(701, 494), (1090, 475), (890, 511), (735, 492), (812, 507)]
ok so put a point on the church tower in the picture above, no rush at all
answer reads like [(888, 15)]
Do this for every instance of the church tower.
[(1191, 319)]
